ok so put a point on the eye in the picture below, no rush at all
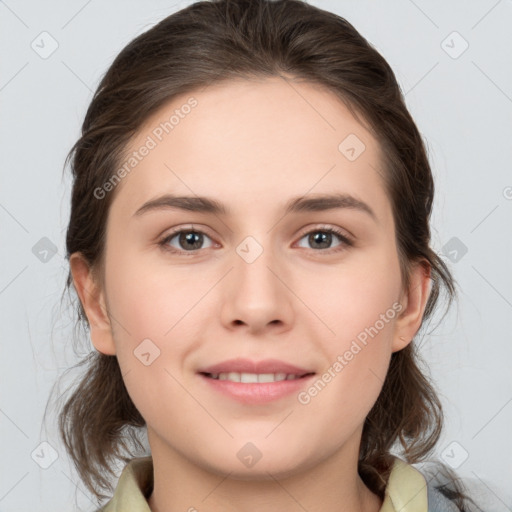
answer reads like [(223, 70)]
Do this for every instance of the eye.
[(322, 238), (188, 240), (192, 240)]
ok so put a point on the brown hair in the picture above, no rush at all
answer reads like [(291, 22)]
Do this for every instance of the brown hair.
[(212, 41)]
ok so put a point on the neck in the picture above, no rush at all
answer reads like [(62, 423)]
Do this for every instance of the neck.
[(333, 485)]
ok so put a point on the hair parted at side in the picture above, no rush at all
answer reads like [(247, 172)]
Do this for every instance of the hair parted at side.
[(213, 41)]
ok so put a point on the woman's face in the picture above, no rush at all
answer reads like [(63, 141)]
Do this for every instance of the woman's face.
[(261, 278)]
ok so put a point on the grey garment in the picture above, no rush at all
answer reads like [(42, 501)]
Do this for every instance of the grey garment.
[(438, 502)]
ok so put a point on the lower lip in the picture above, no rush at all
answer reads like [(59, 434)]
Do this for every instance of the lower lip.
[(257, 393)]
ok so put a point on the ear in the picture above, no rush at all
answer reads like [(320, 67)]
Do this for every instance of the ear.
[(93, 302), (414, 301)]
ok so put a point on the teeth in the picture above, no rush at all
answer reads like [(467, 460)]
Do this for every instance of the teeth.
[(252, 378), (247, 378)]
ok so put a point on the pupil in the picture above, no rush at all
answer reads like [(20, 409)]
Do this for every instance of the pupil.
[(321, 238), (189, 239)]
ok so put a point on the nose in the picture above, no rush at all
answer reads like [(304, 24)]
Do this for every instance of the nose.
[(257, 294)]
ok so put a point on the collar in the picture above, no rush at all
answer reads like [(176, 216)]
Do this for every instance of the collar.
[(406, 490)]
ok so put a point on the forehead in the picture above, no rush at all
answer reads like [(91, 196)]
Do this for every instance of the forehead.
[(245, 140)]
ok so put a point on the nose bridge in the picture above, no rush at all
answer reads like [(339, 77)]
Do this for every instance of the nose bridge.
[(256, 296), (255, 259)]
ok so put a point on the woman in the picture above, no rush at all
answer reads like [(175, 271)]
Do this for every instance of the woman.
[(249, 241)]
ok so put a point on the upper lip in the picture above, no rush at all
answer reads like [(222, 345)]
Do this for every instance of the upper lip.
[(241, 365)]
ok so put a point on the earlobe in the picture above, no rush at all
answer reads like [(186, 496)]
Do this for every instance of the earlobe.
[(93, 302), (415, 301)]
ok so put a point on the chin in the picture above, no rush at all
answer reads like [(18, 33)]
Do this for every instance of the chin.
[(263, 472), (266, 468)]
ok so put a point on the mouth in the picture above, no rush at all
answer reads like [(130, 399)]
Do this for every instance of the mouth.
[(253, 382), (255, 378), (250, 371), (249, 390)]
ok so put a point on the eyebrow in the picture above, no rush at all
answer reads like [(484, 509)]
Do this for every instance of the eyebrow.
[(316, 203)]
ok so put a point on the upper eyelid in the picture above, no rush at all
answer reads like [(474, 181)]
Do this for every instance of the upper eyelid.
[(326, 227), (175, 231)]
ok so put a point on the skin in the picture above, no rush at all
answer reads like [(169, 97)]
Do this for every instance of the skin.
[(252, 145)]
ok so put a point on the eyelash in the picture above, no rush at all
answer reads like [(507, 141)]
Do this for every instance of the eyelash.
[(346, 241)]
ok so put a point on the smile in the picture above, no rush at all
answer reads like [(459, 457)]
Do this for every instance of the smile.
[(255, 388), (253, 378)]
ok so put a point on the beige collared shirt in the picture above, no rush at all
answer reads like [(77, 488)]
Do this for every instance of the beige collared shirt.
[(406, 490)]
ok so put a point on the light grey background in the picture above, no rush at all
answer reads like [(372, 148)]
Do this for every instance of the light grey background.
[(462, 103)]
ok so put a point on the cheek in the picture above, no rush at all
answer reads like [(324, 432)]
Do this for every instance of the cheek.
[(357, 299), (145, 299), (360, 307), (357, 361), (156, 311), (150, 318)]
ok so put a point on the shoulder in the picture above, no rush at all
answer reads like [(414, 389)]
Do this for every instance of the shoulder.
[(133, 488), (409, 490), (438, 502), (449, 491)]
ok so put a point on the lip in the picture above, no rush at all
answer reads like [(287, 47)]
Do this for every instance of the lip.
[(242, 365), (257, 393)]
